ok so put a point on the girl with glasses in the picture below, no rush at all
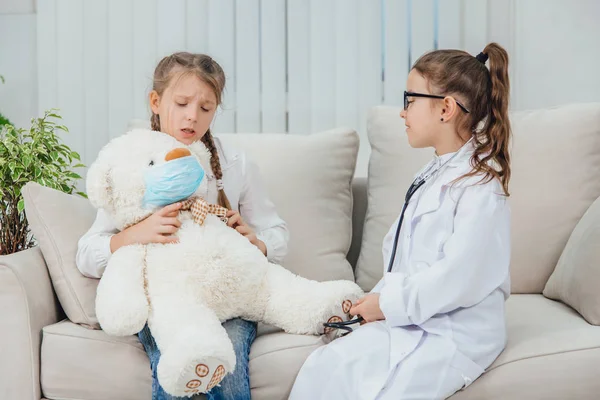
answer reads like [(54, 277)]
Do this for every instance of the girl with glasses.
[(435, 321)]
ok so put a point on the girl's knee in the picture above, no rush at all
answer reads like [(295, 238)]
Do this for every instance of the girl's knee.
[(240, 332)]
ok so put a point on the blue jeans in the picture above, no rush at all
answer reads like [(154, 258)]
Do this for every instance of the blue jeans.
[(235, 386)]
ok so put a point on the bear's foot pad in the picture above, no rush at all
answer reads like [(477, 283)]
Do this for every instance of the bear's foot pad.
[(336, 319), (346, 306), (203, 376), (343, 314)]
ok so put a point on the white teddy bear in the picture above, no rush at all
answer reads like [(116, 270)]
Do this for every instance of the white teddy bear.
[(185, 290)]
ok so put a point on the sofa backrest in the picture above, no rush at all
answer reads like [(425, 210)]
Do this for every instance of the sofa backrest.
[(555, 178)]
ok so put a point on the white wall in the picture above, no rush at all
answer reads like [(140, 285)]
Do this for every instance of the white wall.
[(17, 6), (18, 66), (557, 52), (94, 59)]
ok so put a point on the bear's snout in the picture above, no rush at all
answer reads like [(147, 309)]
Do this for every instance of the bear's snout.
[(177, 153)]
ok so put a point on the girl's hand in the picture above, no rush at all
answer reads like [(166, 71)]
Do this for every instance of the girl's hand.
[(159, 227), (236, 222), (368, 308)]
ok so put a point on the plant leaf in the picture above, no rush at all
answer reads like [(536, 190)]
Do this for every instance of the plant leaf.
[(73, 175), (16, 174)]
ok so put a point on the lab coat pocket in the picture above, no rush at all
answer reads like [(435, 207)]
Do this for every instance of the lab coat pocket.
[(423, 257), (468, 369), (434, 230)]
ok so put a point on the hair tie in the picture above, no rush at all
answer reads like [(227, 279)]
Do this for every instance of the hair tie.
[(482, 57), (220, 184)]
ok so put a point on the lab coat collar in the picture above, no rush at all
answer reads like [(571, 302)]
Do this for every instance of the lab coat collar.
[(443, 158), (454, 169)]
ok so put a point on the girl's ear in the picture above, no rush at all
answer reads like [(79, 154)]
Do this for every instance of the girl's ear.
[(449, 108), (98, 186), (154, 100)]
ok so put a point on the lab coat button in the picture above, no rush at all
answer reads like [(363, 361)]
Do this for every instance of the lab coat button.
[(466, 380)]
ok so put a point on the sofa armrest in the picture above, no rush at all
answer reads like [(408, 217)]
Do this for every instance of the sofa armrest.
[(27, 304)]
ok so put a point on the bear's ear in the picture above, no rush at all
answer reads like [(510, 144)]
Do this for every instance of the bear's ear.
[(99, 185)]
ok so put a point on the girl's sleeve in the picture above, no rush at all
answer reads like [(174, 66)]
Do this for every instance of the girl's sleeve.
[(378, 286), (475, 263), (93, 248), (260, 214)]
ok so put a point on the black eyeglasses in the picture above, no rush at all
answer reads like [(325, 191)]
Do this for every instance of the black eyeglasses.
[(431, 96)]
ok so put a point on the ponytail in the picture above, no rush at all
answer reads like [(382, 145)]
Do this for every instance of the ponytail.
[(494, 138)]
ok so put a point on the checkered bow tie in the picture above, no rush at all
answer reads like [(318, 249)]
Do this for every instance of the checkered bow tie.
[(200, 208)]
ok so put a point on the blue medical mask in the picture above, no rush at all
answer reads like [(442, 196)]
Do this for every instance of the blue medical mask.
[(172, 181)]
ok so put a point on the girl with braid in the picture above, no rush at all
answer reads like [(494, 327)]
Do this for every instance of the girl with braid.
[(186, 92)]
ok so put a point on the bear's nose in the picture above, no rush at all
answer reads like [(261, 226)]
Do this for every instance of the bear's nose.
[(177, 153)]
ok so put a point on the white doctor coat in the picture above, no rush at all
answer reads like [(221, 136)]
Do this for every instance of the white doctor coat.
[(443, 301)]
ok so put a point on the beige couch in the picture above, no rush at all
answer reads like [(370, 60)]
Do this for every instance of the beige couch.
[(553, 349)]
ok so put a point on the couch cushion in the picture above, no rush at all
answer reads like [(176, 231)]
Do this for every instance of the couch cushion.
[(555, 169), (86, 364), (79, 363), (57, 221), (309, 178), (575, 279), (275, 360), (552, 353)]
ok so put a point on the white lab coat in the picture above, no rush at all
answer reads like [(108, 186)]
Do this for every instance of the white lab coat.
[(443, 301), (245, 190)]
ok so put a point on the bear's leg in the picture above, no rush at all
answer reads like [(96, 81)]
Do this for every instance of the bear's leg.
[(121, 302), (299, 305), (196, 352)]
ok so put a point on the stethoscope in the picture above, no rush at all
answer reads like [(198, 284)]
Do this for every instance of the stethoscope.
[(415, 185)]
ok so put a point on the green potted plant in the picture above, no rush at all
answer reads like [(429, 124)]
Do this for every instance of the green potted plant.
[(35, 155)]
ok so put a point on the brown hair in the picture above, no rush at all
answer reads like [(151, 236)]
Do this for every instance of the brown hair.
[(210, 72), (485, 93)]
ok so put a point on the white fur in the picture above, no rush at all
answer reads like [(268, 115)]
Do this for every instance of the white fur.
[(185, 290)]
